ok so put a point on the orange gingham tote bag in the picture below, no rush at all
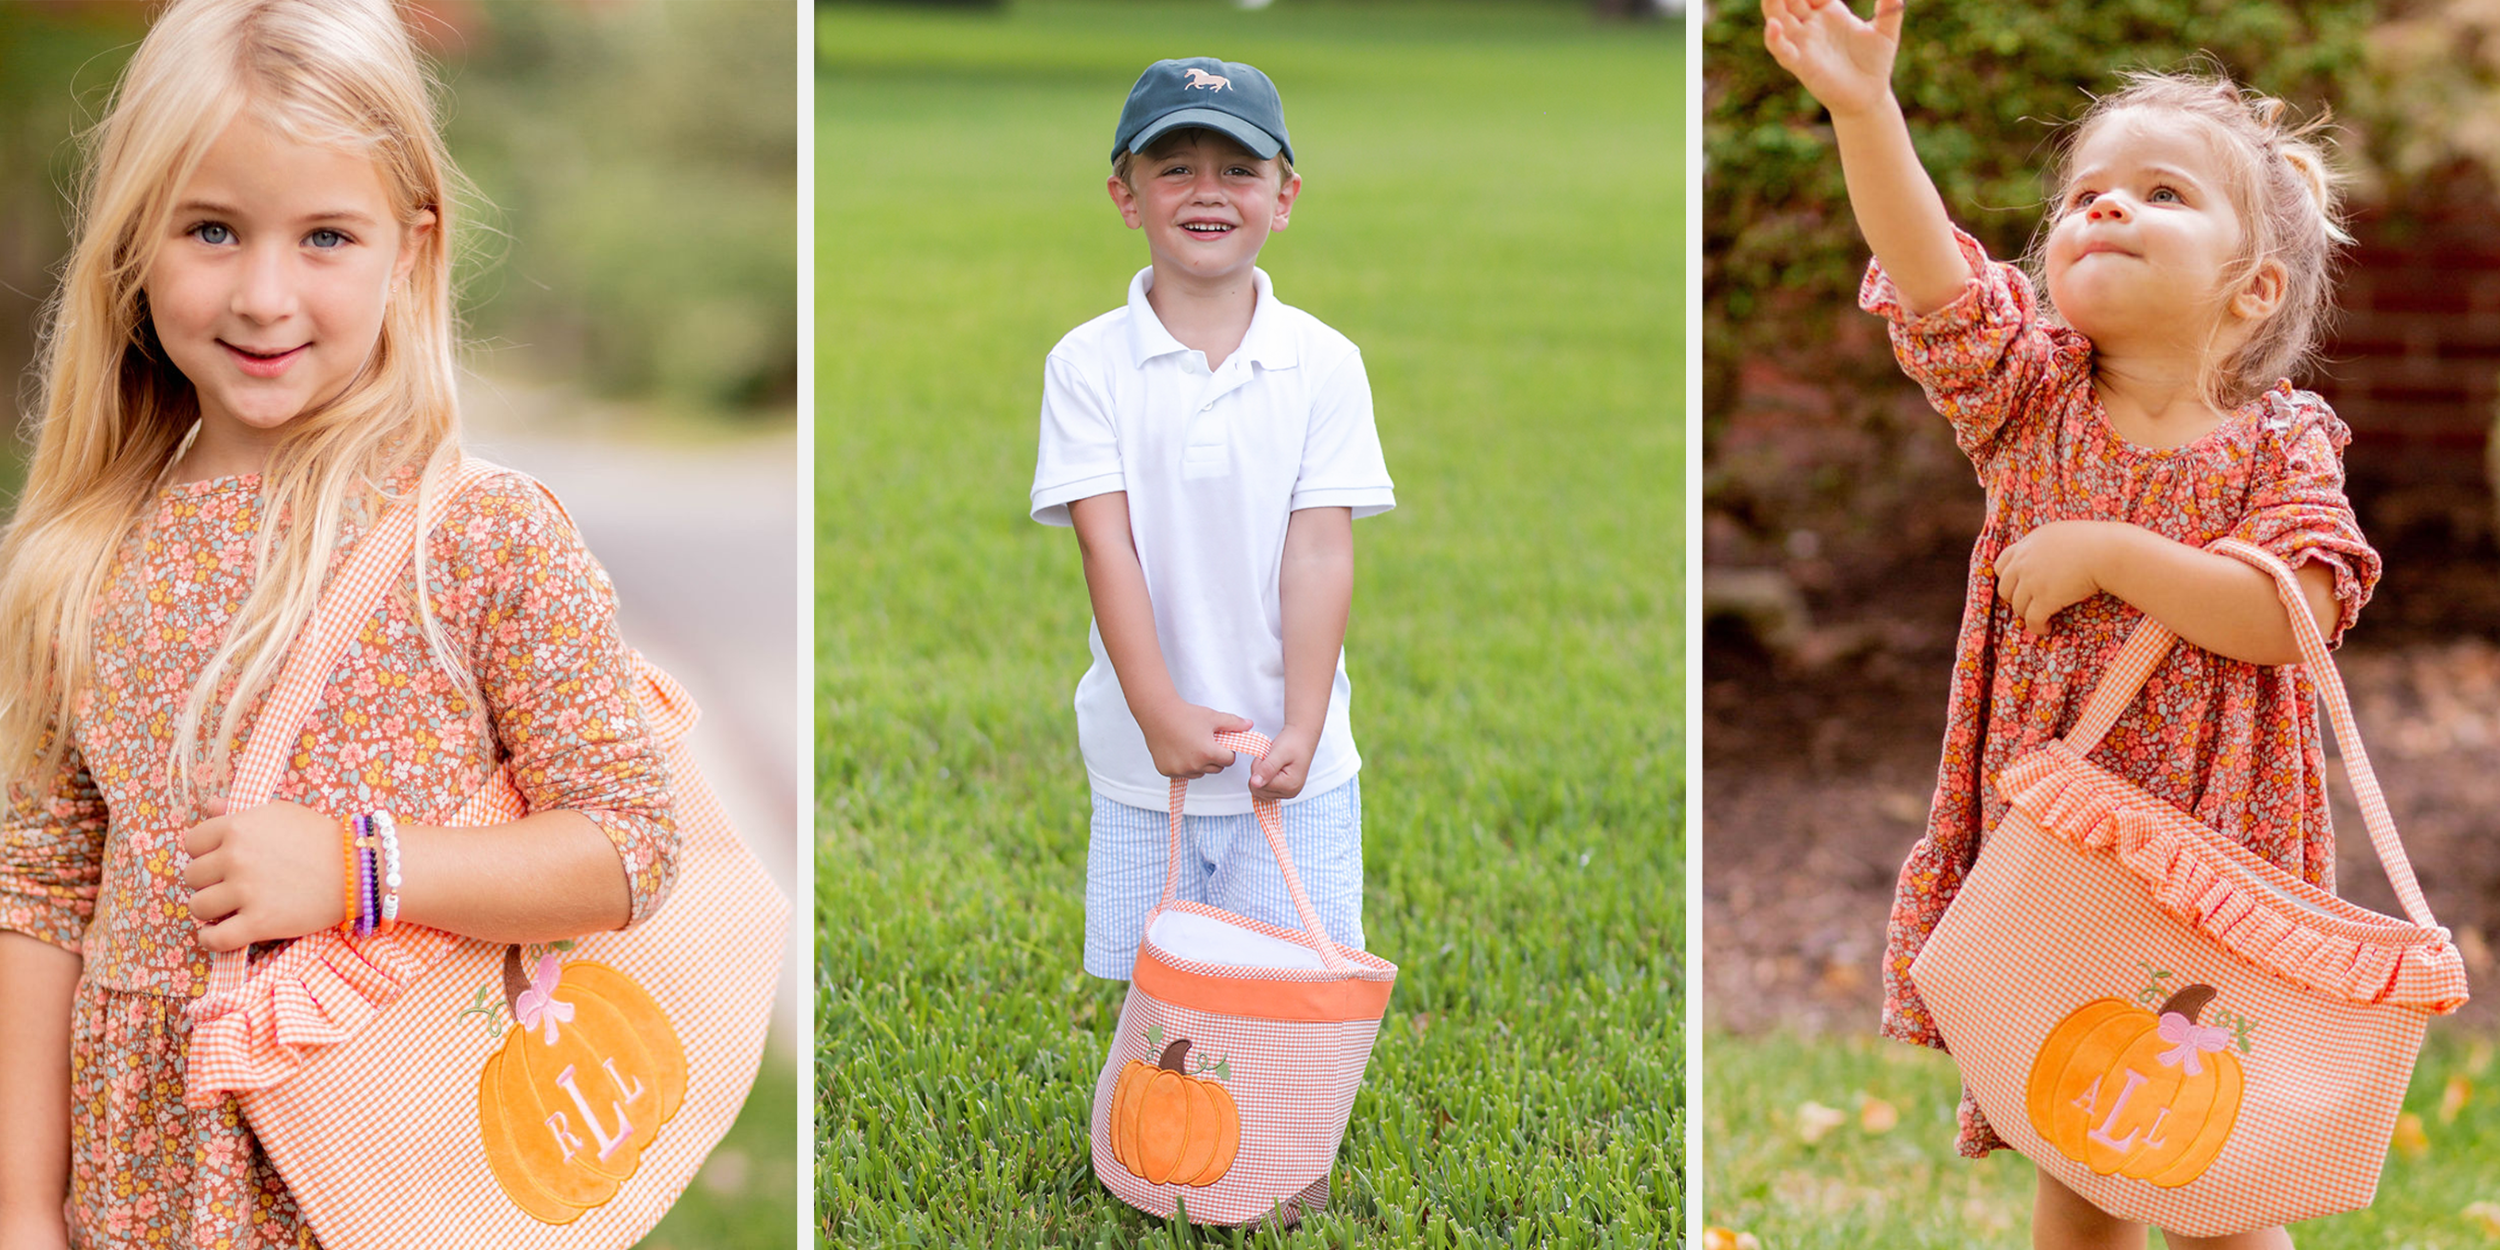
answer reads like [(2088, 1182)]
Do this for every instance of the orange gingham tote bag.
[(415, 1088), (1233, 1071), (2178, 1030)]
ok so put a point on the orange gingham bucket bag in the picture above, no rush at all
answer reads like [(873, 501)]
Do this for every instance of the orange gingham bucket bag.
[(2176, 1029), (415, 1088), (1233, 1071)]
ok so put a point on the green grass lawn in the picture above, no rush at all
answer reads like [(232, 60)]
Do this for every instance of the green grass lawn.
[(1492, 209), (1906, 1188)]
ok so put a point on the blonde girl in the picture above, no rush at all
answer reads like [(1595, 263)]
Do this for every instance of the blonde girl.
[(2138, 415), (249, 360)]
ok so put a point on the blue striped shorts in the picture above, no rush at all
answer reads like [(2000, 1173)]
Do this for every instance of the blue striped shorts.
[(1127, 855)]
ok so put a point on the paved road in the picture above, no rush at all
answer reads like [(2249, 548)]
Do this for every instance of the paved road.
[(702, 542)]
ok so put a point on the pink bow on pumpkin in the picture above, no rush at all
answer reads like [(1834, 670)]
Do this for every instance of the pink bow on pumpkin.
[(2188, 1037), (538, 1002)]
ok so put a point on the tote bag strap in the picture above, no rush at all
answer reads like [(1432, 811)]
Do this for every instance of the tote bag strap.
[(346, 604), (1271, 823), (2144, 649)]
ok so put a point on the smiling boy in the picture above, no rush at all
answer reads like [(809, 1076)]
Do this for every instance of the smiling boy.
[(1211, 445)]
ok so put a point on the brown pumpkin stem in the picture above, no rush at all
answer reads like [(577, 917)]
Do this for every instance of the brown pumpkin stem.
[(1174, 1055), (515, 981), (2188, 1001)]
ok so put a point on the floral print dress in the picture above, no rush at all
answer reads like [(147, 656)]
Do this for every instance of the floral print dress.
[(2235, 743), (89, 863)]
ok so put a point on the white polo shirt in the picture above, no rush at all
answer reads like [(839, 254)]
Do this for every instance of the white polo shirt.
[(1213, 464)]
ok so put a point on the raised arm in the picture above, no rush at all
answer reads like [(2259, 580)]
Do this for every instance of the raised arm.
[(1847, 65), (1179, 734)]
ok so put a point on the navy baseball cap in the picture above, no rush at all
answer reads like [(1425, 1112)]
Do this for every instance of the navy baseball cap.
[(1227, 97)]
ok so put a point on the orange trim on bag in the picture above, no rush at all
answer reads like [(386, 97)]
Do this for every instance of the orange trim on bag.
[(1328, 1001)]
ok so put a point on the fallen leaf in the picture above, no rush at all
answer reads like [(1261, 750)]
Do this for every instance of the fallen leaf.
[(2452, 1100), (1717, 1238), (1814, 1120), (1878, 1116), (2411, 1141), (2486, 1214)]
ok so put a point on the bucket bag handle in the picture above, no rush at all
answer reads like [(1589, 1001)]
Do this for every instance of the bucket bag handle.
[(1271, 823), (346, 605), (2143, 651)]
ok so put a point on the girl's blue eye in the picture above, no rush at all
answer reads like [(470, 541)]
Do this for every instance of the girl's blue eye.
[(2163, 195), (326, 239), (212, 233)]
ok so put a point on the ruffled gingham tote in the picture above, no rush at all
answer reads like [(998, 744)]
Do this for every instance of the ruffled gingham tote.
[(2174, 1028), (415, 1088), (1233, 1071)]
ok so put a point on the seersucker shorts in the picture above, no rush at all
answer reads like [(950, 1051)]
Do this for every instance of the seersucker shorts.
[(1233, 869)]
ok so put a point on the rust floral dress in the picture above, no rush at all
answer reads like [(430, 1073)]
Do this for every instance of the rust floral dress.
[(88, 863), (2235, 743)]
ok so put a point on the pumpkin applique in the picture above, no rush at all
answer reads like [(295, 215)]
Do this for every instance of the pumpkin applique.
[(1169, 1127), (2145, 1094), (585, 1078)]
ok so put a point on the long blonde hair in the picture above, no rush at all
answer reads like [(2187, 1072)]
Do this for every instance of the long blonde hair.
[(115, 412)]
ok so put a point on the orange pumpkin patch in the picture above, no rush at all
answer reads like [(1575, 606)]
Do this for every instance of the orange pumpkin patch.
[(585, 1078), (1170, 1128), (2149, 1095)]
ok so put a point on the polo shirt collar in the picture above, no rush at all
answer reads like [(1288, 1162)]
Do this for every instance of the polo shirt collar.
[(1267, 343)]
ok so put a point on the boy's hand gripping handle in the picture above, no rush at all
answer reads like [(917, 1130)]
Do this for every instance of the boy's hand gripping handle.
[(1271, 823)]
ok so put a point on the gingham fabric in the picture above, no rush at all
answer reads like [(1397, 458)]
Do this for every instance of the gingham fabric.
[(1228, 866), (2174, 1028), (369, 1068), (1285, 1048)]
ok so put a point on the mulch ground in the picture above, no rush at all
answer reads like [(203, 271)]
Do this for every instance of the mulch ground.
[(1815, 781)]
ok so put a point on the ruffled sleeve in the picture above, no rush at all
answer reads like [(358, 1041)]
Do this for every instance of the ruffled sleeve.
[(52, 854), (2297, 508), (557, 676), (1981, 358)]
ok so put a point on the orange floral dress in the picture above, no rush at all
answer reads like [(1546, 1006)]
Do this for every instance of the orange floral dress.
[(88, 863), (2237, 744)]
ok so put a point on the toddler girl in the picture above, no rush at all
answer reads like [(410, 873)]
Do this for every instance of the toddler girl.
[(2138, 416), (248, 363)]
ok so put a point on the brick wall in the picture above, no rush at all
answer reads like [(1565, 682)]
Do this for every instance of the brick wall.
[(2414, 367)]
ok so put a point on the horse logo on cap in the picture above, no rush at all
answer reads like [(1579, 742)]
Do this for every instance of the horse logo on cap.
[(1200, 78)]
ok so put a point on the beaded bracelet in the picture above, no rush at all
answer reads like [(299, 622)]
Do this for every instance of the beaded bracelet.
[(347, 874), (364, 882), (387, 831)]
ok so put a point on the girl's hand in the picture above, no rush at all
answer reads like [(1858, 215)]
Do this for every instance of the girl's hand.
[(1287, 766), (272, 872), (1181, 737), (1845, 63), (2052, 568)]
